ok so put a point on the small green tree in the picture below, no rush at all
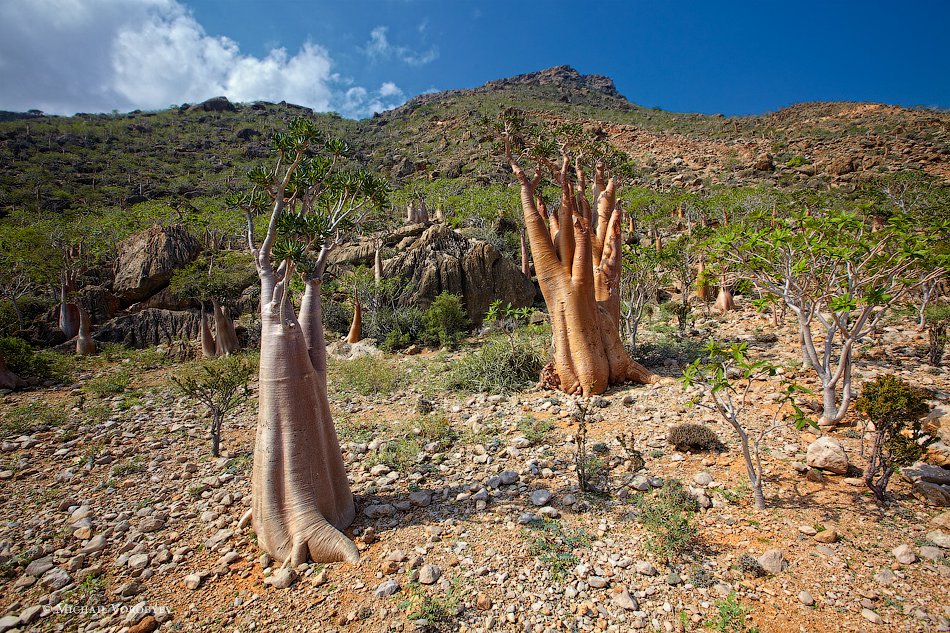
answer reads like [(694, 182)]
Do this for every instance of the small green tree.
[(445, 321), (895, 408), (221, 384), (727, 376)]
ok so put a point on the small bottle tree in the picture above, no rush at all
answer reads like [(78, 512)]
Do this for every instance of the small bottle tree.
[(727, 376), (895, 408), (220, 384)]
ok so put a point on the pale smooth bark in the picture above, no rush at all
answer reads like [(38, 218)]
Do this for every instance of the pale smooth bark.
[(225, 338), (577, 259), (356, 328), (84, 343), (208, 347)]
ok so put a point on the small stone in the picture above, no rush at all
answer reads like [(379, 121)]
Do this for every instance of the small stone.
[(151, 524), (540, 497), (885, 577), (673, 579), (826, 536), (703, 478), (528, 517), (56, 578), (509, 477), (931, 553), (396, 555), (138, 561), (826, 453), (192, 581), (31, 614), (625, 601), (379, 510), (645, 568), (386, 589), (8, 622), (597, 582), (145, 625), (940, 539), (483, 602), (40, 566), (904, 554), (421, 498), (773, 561), (872, 617), (282, 578), (807, 530), (429, 574), (805, 598)]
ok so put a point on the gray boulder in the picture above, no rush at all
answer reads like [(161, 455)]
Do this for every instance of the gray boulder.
[(146, 261), (826, 453), (150, 327)]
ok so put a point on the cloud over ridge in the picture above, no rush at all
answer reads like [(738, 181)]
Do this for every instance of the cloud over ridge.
[(64, 56)]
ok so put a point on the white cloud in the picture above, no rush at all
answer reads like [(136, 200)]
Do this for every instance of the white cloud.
[(380, 48), (64, 56)]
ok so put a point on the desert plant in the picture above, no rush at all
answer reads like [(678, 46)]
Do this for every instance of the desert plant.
[(937, 319), (695, 437), (366, 375), (731, 616), (576, 251), (498, 366), (31, 416), (554, 545), (727, 377), (445, 321), (895, 409), (667, 516), (312, 195), (220, 384)]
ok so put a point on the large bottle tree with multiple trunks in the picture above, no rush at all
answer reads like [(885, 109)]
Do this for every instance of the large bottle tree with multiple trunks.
[(576, 248), (312, 196)]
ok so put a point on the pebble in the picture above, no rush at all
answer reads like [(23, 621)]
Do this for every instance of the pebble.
[(429, 574), (904, 554), (386, 588), (806, 598), (282, 578), (826, 536), (872, 617), (540, 497), (192, 581)]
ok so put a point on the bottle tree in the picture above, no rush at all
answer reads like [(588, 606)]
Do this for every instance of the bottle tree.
[(576, 249), (312, 196)]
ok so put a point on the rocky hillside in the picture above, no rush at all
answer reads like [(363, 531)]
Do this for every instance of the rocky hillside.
[(55, 164)]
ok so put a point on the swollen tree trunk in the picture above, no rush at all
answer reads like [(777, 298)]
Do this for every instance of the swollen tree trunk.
[(378, 264), (225, 340), (724, 301), (577, 259), (704, 292), (301, 495), (208, 347), (356, 328), (68, 315), (525, 256), (84, 343)]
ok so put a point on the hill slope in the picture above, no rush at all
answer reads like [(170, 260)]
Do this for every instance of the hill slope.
[(85, 162)]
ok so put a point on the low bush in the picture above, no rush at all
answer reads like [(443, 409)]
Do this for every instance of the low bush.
[(108, 385), (500, 365), (31, 417), (367, 376), (445, 322), (24, 361), (667, 515)]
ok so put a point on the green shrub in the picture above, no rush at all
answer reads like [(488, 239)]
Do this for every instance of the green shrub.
[(667, 515), (445, 321), (366, 376), (938, 321), (796, 161), (108, 385), (554, 545), (31, 417), (401, 454), (535, 430), (500, 365), (23, 360), (731, 616), (896, 410)]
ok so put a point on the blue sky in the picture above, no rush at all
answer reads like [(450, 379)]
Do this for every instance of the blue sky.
[(356, 57)]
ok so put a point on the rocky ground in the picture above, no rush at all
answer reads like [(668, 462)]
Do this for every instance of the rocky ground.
[(118, 518)]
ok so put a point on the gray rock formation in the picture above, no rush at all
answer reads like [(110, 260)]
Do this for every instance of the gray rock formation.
[(149, 327), (440, 260), (147, 260)]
